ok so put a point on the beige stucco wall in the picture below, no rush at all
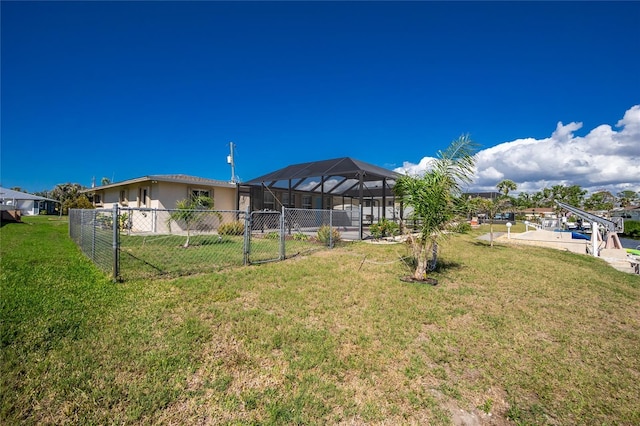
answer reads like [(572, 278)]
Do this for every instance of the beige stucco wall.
[(224, 198), (167, 194)]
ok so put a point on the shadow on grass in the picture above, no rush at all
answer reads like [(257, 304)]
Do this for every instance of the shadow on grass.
[(482, 243), (159, 270), (441, 268), (444, 266)]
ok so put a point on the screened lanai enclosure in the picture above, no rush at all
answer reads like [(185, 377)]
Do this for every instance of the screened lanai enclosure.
[(362, 191)]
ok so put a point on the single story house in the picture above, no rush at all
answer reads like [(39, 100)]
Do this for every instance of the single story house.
[(26, 204), (152, 195)]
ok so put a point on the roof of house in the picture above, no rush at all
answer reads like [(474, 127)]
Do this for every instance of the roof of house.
[(341, 176), (490, 194), (178, 178), (534, 210), (10, 194)]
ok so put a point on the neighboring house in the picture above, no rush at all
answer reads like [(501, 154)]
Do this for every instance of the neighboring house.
[(27, 204), (628, 213), (532, 213), (151, 195)]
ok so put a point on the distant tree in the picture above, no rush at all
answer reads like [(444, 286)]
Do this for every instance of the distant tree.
[(627, 198), (491, 207), (574, 195), (188, 213), (537, 199), (105, 181), (523, 200), (80, 202), (66, 193), (16, 188), (601, 200), (434, 197), (505, 186)]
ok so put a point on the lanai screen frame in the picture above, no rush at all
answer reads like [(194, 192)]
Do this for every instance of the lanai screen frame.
[(343, 176)]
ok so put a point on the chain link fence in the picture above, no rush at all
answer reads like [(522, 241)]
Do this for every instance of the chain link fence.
[(93, 232), (179, 242), (131, 243)]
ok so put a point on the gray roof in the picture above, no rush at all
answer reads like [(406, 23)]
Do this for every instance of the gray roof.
[(340, 175), (178, 178), (10, 194)]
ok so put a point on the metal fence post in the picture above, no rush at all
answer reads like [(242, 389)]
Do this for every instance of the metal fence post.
[(361, 225), (247, 237), (116, 252), (93, 236), (330, 229), (81, 236), (282, 236)]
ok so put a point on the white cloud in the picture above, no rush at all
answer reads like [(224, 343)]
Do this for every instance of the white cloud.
[(411, 169), (603, 159)]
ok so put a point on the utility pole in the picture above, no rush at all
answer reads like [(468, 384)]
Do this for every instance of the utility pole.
[(231, 161)]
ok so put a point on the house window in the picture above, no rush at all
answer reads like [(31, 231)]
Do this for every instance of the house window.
[(269, 201), (143, 197), (306, 201), (285, 199), (97, 199), (123, 197), (195, 193)]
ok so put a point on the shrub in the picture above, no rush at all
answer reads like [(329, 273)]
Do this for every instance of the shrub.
[(272, 235), (632, 228), (232, 228), (123, 221), (326, 232), (461, 227), (384, 228), (299, 236), (82, 202)]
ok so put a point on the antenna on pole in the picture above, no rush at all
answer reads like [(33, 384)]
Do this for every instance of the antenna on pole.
[(231, 161)]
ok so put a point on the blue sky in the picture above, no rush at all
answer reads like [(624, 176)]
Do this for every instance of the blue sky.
[(127, 89)]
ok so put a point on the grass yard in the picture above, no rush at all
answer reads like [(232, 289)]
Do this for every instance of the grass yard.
[(164, 255), (510, 335)]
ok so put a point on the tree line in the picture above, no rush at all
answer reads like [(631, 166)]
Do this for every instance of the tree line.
[(575, 196), (69, 196)]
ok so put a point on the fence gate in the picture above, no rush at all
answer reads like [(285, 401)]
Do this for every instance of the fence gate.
[(266, 236)]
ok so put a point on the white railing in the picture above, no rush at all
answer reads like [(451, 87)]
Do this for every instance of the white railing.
[(535, 226)]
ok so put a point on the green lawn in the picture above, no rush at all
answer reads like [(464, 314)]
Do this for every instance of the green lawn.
[(164, 255), (528, 335)]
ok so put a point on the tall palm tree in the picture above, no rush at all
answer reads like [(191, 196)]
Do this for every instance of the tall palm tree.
[(434, 197), (505, 186)]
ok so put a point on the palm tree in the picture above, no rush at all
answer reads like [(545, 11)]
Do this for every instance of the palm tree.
[(434, 196), (187, 212), (491, 207), (505, 186)]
